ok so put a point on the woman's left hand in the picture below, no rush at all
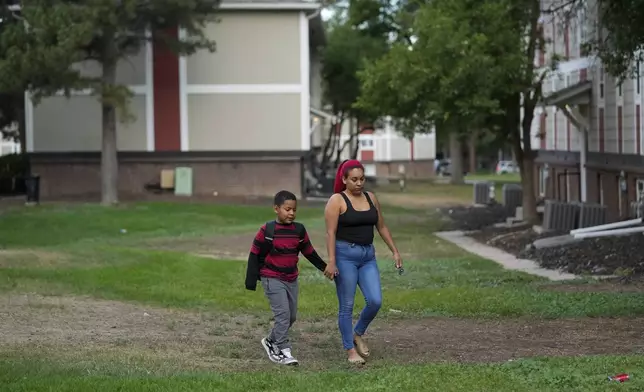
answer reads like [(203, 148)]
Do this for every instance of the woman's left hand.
[(398, 260)]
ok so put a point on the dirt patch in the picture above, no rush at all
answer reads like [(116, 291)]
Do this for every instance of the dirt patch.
[(28, 258), (610, 285), (87, 328), (224, 247)]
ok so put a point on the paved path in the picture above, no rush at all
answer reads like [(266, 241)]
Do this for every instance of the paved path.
[(507, 260)]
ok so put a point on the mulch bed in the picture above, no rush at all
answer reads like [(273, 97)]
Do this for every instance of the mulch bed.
[(474, 218), (623, 255)]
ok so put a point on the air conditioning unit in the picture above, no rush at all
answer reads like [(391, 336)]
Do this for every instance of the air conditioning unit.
[(592, 214), (481, 192), (560, 216), (512, 196)]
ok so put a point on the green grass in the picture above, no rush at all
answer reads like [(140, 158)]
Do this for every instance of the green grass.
[(507, 178), (81, 250), (560, 374), (440, 279)]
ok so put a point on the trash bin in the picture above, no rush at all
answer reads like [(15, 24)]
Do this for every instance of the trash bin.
[(32, 188)]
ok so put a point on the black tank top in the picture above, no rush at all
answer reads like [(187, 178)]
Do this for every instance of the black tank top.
[(357, 226)]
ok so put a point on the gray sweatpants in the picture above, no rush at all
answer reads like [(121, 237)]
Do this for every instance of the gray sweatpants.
[(282, 297)]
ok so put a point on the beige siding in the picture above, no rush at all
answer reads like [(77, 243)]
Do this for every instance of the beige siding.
[(74, 124), (252, 48), (130, 70), (250, 122)]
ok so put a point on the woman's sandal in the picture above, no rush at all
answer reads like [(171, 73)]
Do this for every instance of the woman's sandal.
[(361, 346), (357, 361)]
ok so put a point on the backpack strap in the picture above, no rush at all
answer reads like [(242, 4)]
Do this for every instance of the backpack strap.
[(269, 233)]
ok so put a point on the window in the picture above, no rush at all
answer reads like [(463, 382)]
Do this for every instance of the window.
[(543, 181), (640, 189), (619, 89), (366, 143)]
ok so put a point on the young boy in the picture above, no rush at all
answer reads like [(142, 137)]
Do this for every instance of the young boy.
[(273, 260)]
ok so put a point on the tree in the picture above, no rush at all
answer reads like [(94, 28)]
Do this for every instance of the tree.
[(53, 35), (444, 78), (619, 42), (347, 51)]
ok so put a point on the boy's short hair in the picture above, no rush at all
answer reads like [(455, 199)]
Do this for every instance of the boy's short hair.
[(282, 196)]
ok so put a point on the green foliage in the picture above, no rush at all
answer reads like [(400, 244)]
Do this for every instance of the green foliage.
[(620, 43), (347, 51), (13, 165), (41, 44), (448, 73)]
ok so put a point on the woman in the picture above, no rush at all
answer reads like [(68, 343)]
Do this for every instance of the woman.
[(350, 216)]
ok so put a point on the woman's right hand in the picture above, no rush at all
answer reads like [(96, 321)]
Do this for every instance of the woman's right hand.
[(330, 271)]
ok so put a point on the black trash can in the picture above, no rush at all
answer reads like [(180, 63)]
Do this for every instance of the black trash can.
[(32, 188)]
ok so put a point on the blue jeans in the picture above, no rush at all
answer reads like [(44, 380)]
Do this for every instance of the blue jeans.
[(356, 267)]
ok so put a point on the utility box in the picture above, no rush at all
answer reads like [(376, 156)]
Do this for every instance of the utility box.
[(167, 179), (183, 181)]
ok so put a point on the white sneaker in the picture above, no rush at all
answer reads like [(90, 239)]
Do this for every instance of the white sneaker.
[(286, 358), (270, 349)]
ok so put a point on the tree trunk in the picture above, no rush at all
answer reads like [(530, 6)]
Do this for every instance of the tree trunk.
[(356, 143), (472, 153), (109, 157), (456, 156), (526, 157)]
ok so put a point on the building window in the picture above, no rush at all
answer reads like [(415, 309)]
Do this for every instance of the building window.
[(640, 189), (366, 143), (619, 89)]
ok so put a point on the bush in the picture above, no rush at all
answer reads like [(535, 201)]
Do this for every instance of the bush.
[(13, 170), (13, 165)]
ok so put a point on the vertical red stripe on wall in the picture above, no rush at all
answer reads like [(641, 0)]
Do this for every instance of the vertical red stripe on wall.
[(619, 129), (583, 74), (167, 114), (366, 155), (543, 131), (638, 129), (601, 130)]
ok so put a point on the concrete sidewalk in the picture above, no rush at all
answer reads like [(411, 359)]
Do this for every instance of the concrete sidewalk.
[(507, 260)]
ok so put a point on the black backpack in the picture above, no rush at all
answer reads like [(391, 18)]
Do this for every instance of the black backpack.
[(269, 233)]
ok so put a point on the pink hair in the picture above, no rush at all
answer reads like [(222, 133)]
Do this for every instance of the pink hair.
[(345, 167)]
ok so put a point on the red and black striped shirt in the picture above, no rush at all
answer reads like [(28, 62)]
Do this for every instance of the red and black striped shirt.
[(285, 255)]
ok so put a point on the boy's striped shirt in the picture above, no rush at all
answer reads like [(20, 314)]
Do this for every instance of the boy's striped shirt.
[(281, 262)]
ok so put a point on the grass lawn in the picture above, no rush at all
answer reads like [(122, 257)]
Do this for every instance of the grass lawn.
[(150, 296), (500, 179)]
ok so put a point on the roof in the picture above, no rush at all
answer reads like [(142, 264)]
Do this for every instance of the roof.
[(578, 93), (271, 5)]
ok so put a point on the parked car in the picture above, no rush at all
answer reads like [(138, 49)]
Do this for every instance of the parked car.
[(505, 167)]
